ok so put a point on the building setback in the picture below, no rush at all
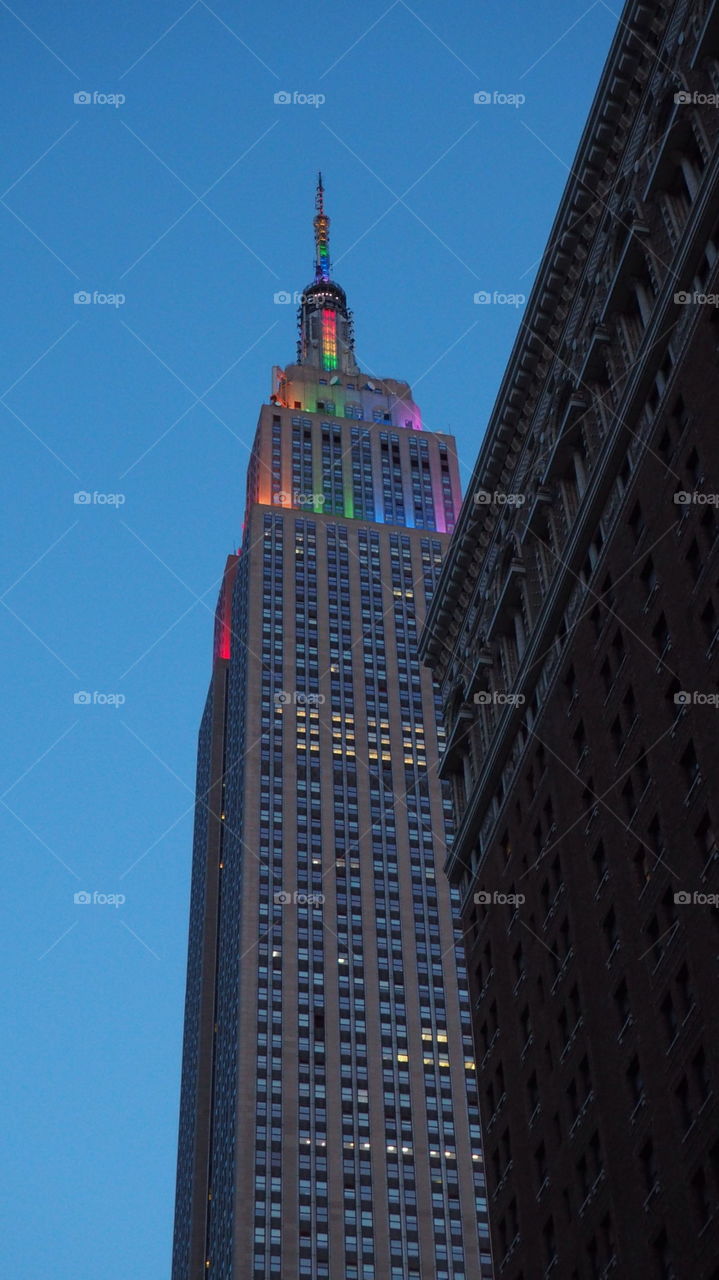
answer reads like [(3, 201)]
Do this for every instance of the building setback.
[(574, 634), (329, 1123)]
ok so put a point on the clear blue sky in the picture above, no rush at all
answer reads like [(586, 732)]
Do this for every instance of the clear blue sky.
[(119, 599)]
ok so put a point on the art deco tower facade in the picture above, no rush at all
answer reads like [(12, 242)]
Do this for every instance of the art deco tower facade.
[(329, 1124)]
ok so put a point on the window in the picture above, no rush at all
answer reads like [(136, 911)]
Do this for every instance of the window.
[(628, 798), (693, 469), (635, 1081), (694, 560), (636, 522), (579, 739), (670, 1018), (641, 768), (648, 577), (618, 649), (526, 1024), (550, 1243), (540, 1163), (701, 1198), (665, 446), (609, 925), (660, 1248), (684, 991), (701, 1076), (681, 1094), (705, 842), (655, 950), (709, 526), (660, 634), (621, 1001), (642, 869), (533, 1093), (649, 1165), (708, 619), (690, 764)]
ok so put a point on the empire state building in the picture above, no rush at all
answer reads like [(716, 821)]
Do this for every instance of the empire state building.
[(329, 1124)]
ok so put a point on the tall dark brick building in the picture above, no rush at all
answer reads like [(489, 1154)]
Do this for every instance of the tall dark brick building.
[(574, 633)]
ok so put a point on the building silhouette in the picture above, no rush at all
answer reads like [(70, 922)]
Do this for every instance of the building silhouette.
[(574, 632), (329, 1123)]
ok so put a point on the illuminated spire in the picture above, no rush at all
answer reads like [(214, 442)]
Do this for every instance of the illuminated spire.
[(326, 338), (322, 235)]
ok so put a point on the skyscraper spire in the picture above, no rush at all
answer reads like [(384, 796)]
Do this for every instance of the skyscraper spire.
[(322, 234), (325, 321)]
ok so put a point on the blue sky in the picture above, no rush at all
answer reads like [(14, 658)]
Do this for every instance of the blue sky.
[(193, 198)]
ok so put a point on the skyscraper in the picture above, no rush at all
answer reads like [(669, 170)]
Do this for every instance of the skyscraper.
[(329, 1124), (576, 634)]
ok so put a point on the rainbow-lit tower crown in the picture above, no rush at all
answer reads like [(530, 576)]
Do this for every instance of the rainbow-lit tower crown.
[(326, 339), (326, 378)]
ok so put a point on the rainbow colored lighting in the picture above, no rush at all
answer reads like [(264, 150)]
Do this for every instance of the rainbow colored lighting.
[(349, 501), (223, 613), (322, 236), (329, 339)]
